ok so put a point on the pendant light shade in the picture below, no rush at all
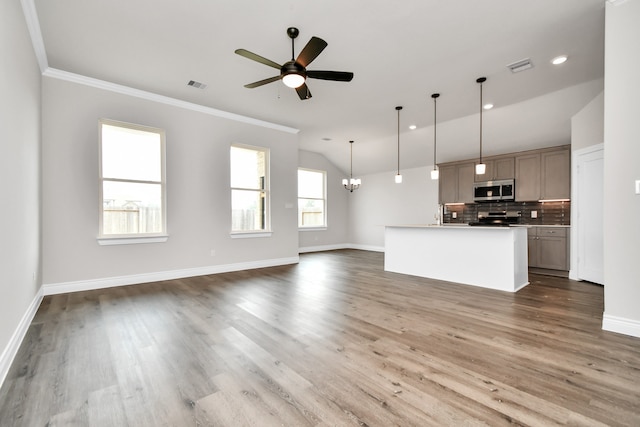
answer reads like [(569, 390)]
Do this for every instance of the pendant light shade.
[(351, 183), (398, 178), (481, 168), (435, 174)]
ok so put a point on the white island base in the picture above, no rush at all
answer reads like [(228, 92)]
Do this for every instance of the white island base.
[(490, 257)]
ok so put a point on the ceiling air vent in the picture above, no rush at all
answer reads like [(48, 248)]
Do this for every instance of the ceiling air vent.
[(521, 65), (196, 84)]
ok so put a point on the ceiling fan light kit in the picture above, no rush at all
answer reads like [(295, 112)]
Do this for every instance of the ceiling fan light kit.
[(294, 73)]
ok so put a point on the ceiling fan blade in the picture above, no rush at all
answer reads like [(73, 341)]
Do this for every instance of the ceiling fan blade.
[(340, 76), (303, 91), (311, 51), (258, 58), (262, 82)]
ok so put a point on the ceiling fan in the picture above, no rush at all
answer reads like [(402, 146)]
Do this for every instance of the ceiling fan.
[(294, 73)]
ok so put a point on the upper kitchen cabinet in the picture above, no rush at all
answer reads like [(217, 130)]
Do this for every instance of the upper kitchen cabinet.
[(543, 175), (527, 177), (498, 168), (466, 172), (555, 182), (448, 183), (456, 183), (539, 174)]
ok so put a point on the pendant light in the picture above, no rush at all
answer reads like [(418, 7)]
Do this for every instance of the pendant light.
[(435, 173), (398, 176), (351, 183), (481, 167)]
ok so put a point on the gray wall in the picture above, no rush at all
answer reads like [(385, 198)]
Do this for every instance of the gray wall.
[(380, 201), (622, 168), (198, 196), (19, 173), (335, 236), (587, 127)]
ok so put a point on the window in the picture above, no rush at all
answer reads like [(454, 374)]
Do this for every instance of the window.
[(249, 189), (311, 198), (132, 183)]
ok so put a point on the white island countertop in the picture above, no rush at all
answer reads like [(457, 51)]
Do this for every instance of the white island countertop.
[(490, 257)]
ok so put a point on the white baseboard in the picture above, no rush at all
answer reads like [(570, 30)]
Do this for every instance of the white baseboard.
[(367, 248), (322, 248), (621, 325), (110, 282), (307, 249), (10, 351)]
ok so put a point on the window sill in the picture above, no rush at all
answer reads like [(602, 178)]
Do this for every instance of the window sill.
[(109, 241), (324, 228), (250, 234)]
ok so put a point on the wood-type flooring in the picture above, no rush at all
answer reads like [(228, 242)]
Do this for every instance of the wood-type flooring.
[(332, 341)]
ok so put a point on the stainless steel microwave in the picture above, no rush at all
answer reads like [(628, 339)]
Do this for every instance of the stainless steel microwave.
[(489, 191)]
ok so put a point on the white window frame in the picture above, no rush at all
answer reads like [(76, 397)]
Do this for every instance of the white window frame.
[(324, 199), (266, 232), (132, 238)]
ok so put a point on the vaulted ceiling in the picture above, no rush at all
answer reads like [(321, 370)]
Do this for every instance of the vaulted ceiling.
[(400, 53)]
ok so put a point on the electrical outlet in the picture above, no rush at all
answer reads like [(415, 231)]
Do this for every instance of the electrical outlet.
[(534, 214), (213, 252), (637, 186), (454, 215)]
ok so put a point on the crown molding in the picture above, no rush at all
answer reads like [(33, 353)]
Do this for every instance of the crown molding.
[(137, 93), (33, 25)]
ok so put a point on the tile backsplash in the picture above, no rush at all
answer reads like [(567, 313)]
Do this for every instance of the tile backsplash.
[(548, 213)]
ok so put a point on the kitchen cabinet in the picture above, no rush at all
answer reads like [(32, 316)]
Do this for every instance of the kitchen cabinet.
[(499, 168), (527, 177), (555, 182), (448, 182), (543, 175), (548, 247), (539, 175), (466, 172), (456, 183)]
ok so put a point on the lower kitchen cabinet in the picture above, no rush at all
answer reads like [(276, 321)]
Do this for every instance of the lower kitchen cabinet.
[(548, 248)]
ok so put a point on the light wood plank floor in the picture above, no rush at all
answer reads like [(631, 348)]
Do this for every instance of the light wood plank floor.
[(331, 341)]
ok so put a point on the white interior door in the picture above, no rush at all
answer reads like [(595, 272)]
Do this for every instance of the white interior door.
[(590, 216)]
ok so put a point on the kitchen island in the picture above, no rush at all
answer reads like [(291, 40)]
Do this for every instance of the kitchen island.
[(490, 257)]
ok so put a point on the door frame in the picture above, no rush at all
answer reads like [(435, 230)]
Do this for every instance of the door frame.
[(575, 237)]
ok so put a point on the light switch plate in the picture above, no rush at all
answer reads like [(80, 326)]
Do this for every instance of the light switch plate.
[(637, 186)]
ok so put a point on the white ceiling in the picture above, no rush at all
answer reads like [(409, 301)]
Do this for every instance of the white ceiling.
[(400, 53)]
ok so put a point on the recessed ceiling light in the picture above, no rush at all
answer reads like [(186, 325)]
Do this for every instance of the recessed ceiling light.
[(326, 139), (487, 106), (412, 127), (559, 60)]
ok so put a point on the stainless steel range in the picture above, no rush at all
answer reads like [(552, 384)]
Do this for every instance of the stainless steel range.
[(497, 218)]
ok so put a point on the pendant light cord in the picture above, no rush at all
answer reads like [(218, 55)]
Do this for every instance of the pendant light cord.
[(435, 107), (398, 110), (351, 171), (481, 80)]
